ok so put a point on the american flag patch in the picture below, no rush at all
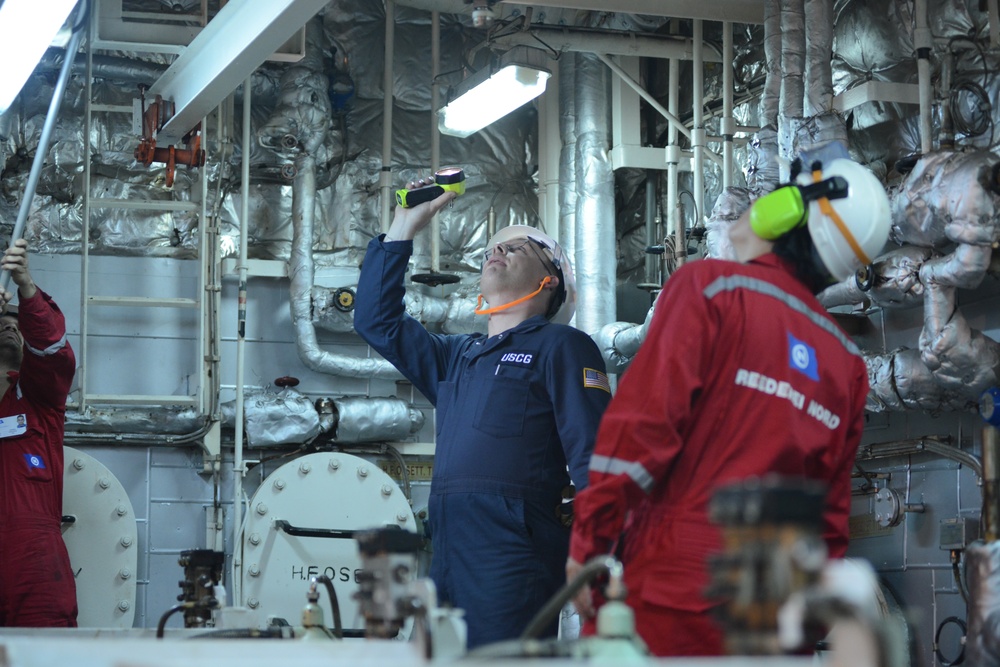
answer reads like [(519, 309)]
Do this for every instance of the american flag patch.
[(596, 379)]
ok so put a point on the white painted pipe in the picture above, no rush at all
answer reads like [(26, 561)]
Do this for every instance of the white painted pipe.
[(728, 122), (922, 43), (385, 178), (435, 133), (238, 468)]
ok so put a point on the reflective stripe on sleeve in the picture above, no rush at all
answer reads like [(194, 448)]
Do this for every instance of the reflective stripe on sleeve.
[(50, 350), (612, 466), (733, 283)]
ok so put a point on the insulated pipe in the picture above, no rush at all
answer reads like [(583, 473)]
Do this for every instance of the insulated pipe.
[(43, 141), (793, 47), (770, 98), (238, 468), (922, 43), (435, 227), (385, 176), (594, 265), (728, 123), (698, 129), (567, 157), (819, 53), (301, 273)]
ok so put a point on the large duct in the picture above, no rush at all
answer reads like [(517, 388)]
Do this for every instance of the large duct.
[(595, 266), (793, 64), (567, 157), (298, 128)]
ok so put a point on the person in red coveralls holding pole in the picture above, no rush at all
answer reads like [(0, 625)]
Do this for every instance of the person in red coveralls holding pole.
[(743, 373), (36, 583)]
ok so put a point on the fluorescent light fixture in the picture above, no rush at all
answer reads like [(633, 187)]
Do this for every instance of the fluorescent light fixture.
[(494, 92), (27, 28)]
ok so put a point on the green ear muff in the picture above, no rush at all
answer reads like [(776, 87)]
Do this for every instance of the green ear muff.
[(778, 213)]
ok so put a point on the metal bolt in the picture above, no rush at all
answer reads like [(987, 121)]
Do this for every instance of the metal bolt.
[(334, 464), (363, 472), (401, 517), (123, 605), (126, 541), (253, 603), (121, 510), (104, 482), (261, 509), (254, 539), (305, 468), (79, 464), (279, 484), (254, 571), (125, 573), (386, 490)]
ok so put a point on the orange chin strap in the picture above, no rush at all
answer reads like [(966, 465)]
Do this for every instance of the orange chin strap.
[(828, 210), (489, 311)]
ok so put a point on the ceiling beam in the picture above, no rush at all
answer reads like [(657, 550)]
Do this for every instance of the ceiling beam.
[(736, 11)]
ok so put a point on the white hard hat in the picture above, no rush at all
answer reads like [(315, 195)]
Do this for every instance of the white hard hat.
[(565, 297), (853, 241)]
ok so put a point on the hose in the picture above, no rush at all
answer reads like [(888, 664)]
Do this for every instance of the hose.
[(338, 628), (170, 612), (550, 611)]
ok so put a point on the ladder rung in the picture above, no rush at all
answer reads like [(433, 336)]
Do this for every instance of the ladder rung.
[(113, 108), (139, 399), (142, 301), (147, 205)]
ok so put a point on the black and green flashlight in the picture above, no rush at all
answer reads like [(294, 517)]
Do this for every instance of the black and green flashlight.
[(450, 179)]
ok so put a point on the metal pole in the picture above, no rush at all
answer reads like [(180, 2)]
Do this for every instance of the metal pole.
[(238, 468), (385, 179), (43, 141)]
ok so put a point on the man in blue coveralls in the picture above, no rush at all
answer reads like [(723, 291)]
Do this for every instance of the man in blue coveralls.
[(515, 408)]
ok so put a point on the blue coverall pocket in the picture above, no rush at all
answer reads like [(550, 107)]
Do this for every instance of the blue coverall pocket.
[(501, 409)]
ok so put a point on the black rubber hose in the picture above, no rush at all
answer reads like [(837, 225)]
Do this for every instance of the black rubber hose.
[(551, 610), (163, 619), (338, 628)]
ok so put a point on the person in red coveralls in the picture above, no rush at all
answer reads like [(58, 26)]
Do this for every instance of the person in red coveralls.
[(36, 583), (742, 373)]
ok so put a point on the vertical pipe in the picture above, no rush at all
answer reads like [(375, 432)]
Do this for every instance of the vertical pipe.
[(994, 13), (650, 277), (698, 129), (991, 479), (728, 122), (81, 372), (549, 150), (567, 157), (673, 153), (385, 177), (241, 350), (947, 133), (793, 56), (595, 265), (435, 133), (922, 43)]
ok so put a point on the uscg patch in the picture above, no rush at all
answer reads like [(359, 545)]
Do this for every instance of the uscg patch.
[(523, 359)]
